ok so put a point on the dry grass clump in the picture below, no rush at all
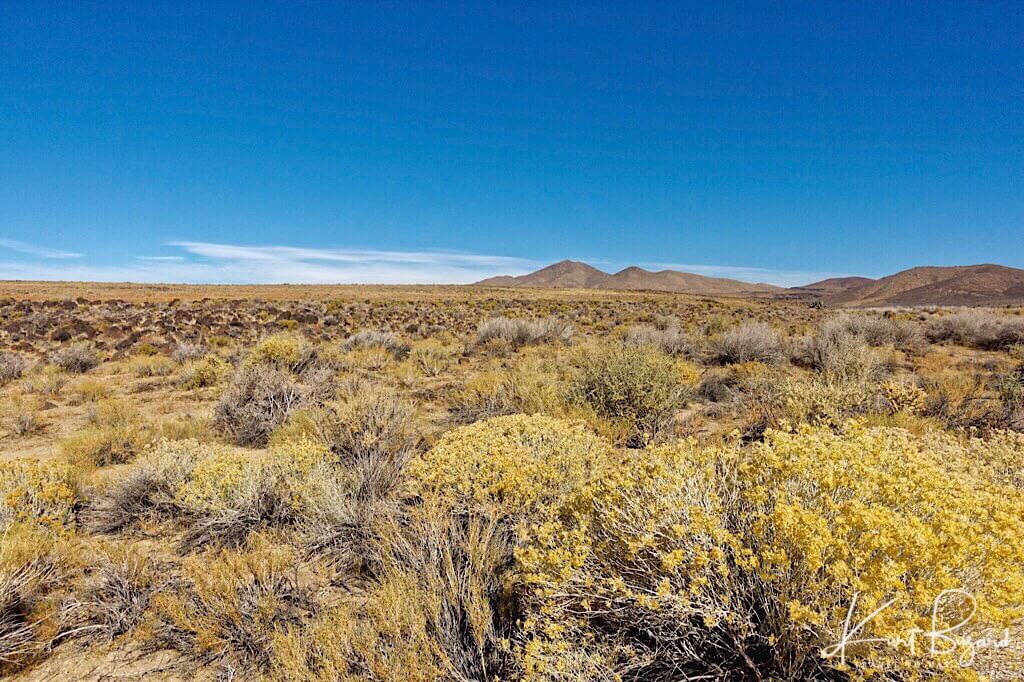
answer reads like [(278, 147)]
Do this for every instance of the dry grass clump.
[(232, 604), (90, 390), (636, 389), (384, 340), (146, 366), (48, 381), (976, 328), (77, 358), (670, 340), (431, 358), (116, 434), (749, 342), (440, 609), (147, 491), (29, 571), (24, 415), (523, 390), (111, 601), (12, 366), (257, 401), (376, 426), (518, 333)]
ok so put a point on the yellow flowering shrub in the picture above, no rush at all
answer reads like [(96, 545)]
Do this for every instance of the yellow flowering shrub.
[(225, 479), (517, 464), (644, 549), (879, 515), (686, 558), (40, 491)]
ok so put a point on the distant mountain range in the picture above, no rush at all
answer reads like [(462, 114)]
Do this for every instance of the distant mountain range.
[(569, 274), (957, 285)]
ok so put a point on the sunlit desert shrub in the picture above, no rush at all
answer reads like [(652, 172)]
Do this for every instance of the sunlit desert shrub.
[(375, 432), (38, 491), (257, 401), (518, 333), (643, 549), (77, 358), (1010, 388), (186, 351), (749, 342), (977, 328), (773, 398), (382, 340), (904, 396), (840, 354), (634, 387), (747, 562), (958, 397), (229, 495), (876, 513), (518, 465)]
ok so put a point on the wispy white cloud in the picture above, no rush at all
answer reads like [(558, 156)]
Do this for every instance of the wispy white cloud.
[(213, 263), (291, 253), (37, 251), (782, 278)]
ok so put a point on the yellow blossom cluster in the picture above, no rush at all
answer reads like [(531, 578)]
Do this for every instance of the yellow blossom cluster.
[(41, 491), (752, 557), (517, 464)]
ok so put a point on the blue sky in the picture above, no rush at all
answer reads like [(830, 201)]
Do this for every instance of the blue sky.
[(445, 142)]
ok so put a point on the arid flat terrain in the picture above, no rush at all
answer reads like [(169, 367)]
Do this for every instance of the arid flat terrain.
[(352, 482)]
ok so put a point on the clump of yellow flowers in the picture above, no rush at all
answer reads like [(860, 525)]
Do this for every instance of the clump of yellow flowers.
[(38, 491), (752, 558)]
